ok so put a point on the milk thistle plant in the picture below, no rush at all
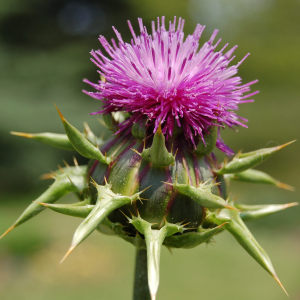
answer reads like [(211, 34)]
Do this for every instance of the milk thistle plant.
[(156, 181)]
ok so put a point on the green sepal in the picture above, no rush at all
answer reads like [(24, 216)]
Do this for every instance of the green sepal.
[(79, 209), (55, 140), (58, 140), (158, 154), (202, 195), (210, 142), (89, 135), (107, 202), (67, 180), (255, 176), (244, 161), (235, 225), (82, 145), (139, 129), (191, 239), (112, 120), (154, 240), (109, 228), (254, 212)]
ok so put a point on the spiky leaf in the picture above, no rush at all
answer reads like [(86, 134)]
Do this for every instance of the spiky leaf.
[(82, 145), (244, 161), (67, 180)]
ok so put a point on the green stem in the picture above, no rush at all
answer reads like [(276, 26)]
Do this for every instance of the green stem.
[(141, 289)]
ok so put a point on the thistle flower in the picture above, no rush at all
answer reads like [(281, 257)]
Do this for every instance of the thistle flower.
[(166, 102), (171, 81)]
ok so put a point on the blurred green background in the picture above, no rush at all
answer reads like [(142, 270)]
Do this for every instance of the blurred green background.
[(44, 55)]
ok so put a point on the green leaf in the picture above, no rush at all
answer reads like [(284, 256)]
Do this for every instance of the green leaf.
[(210, 142), (67, 180), (202, 195), (107, 202), (82, 145), (241, 233), (254, 212), (79, 209), (255, 176), (154, 240), (191, 239), (51, 139), (158, 154), (244, 161)]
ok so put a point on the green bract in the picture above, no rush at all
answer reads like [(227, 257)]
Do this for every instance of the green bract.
[(164, 192)]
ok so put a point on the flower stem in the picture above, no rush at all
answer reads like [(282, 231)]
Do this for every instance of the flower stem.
[(141, 289)]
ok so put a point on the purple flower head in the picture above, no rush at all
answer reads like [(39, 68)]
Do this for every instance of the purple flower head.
[(171, 81)]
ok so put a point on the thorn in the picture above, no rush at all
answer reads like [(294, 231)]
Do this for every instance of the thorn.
[(60, 114), (172, 148), (234, 198), (189, 228), (159, 131), (215, 179), (232, 208), (167, 183), (144, 199), (41, 203), (187, 224), (86, 127), (27, 135), (175, 153), (204, 183), (61, 169), (66, 164), (67, 254), (71, 180), (126, 216), (153, 296), (137, 152), (47, 176), (137, 212), (7, 231), (291, 204), (144, 147), (75, 162), (284, 145), (170, 249), (105, 180), (102, 122), (285, 186), (176, 176), (238, 153), (278, 281), (93, 182), (145, 189)]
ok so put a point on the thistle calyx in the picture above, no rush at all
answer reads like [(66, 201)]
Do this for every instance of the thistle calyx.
[(158, 154), (82, 145), (208, 142)]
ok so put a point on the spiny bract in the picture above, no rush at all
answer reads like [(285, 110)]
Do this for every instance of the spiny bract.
[(156, 181)]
